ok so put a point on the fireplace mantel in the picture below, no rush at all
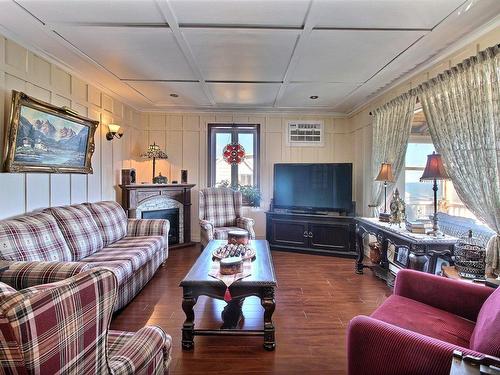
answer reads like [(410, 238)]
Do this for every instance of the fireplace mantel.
[(135, 194)]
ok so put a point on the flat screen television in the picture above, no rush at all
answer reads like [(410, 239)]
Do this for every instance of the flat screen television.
[(313, 187)]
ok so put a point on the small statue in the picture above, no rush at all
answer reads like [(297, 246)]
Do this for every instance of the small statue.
[(160, 180), (398, 209)]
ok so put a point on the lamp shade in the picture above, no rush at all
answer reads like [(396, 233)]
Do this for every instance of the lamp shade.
[(114, 128), (385, 173), (154, 152), (434, 169)]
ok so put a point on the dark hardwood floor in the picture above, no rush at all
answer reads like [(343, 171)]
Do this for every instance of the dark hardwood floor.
[(315, 299)]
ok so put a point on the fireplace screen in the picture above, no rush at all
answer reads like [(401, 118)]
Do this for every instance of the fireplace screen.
[(172, 215)]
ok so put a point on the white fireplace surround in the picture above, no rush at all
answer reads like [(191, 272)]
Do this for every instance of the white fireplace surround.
[(162, 202)]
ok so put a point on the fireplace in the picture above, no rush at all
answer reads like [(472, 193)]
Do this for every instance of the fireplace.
[(172, 215)]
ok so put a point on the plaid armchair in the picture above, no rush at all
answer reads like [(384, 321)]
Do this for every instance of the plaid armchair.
[(63, 328), (220, 212)]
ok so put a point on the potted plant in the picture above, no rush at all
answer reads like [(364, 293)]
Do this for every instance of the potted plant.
[(251, 194)]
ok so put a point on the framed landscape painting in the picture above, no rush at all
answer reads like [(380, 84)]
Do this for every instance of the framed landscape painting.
[(46, 138)]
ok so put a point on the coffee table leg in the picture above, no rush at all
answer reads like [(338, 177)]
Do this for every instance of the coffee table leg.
[(269, 305), (188, 303)]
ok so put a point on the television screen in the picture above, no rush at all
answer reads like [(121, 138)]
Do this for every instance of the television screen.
[(313, 186)]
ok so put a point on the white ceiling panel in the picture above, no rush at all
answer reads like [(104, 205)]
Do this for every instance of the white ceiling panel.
[(256, 94), (350, 55), (242, 55), (241, 12), (94, 11), (381, 13), (132, 52), (190, 93), (329, 94)]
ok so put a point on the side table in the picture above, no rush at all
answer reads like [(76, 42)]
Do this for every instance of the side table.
[(469, 365)]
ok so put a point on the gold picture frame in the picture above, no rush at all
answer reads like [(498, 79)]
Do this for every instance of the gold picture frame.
[(45, 138)]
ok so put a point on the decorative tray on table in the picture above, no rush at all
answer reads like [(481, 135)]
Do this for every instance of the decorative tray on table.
[(232, 250)]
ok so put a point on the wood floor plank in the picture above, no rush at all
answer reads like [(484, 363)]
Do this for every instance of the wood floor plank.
[(315, 299)]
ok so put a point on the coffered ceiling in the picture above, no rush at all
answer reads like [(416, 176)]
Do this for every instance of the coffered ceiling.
[(252, 54)]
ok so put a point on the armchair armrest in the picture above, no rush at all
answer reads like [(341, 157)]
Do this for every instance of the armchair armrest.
[(374, 347), (141, 350), (148, 227), (21, 275), (454, 296), (207, 228), (247, 224)]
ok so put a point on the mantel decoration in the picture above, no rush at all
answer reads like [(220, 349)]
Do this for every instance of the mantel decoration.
[(154, 152), (385, 175), (233, 153), (434, 171), (46, 138)]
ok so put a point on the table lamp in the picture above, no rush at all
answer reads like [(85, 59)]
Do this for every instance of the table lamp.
[(434, 170), (154, 152), (385, 175)]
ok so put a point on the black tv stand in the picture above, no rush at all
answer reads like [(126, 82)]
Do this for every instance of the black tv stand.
[(316, 233)]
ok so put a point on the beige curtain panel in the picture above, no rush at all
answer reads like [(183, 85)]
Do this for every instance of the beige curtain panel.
[(391, 130), (462, 110)]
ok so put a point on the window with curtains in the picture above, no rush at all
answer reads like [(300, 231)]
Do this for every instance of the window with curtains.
[(246, 173), (419, 196)]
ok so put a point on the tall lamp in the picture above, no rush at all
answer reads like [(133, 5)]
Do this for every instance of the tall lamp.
[(154, 152), (434, 170), (385, 175)]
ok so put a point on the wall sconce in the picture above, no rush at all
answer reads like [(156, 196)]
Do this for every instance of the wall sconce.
[(113, 132)]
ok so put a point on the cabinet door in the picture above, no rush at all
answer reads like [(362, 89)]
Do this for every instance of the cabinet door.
[(289, 233), (333, 237)]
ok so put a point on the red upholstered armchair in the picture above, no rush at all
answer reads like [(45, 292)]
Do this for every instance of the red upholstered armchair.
[(62, 328), (416, 330)]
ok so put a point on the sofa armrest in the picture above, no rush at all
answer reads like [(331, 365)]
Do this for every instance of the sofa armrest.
[(21, 275), (374, 347), (454, 296), (149, 227), (145, 349), (247, 224)]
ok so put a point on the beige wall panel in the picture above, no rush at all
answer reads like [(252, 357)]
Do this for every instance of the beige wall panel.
[(117, 108), (3, 41), (79, 89), (274, 124), (40, 70), (94, 96), (191, 123), (60, 101), (107, 102), (37, 191), (174, 151), (144, 121), (174, 122), (13, 198), (223, 118), (157, 122), (38, 92), (80, 109), (78, 188), (94, 180), (60, 189), (240, 119), (61, 81), (16, 56), (108, 191)]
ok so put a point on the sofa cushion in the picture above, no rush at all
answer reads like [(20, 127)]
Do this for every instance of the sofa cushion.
[(219, 206), (426, 320), (221, 232), (137, 250), (34, 237), (486, 335), (79, 229), (121, 268), (111, 220)]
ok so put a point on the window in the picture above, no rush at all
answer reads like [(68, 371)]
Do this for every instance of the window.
[(222, 173), (418, 196)]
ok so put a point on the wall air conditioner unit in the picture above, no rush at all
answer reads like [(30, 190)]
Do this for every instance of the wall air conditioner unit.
[(305, 134)]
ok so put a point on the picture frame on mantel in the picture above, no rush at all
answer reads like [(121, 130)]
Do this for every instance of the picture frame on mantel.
[(45, 138)]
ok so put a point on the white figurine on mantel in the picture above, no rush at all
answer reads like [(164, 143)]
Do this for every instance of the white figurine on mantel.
[(493, 257)]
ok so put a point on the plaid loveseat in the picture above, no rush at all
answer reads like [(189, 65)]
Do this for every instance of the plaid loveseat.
[(63, 328), (220, 212), (60, 242)]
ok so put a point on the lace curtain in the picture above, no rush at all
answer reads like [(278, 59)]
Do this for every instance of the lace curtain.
[(391, 130), (462, 110)]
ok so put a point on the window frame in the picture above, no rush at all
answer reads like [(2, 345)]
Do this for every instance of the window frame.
[(234, 129)]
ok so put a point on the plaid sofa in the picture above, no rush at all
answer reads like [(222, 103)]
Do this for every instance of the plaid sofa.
[(60, 242), (220, 212), (63, 328)]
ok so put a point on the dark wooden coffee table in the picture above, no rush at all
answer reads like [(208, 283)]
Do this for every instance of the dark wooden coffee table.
[(260, 283)]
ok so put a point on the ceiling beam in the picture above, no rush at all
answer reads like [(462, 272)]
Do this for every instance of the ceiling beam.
[(167, 12)]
